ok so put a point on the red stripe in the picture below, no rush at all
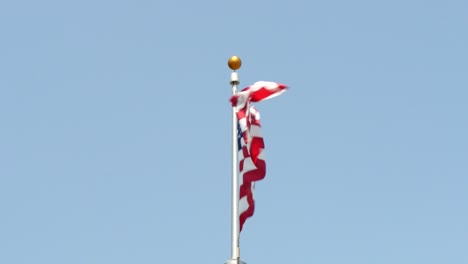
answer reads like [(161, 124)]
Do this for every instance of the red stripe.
[(250, 210), (264, 93)]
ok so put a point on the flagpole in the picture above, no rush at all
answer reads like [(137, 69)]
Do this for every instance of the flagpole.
[(234, 64)]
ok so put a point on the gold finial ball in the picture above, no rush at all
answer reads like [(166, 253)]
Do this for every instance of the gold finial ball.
[(234, 63)]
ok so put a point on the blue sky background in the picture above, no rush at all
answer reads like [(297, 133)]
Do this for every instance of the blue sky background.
[(115, 131)]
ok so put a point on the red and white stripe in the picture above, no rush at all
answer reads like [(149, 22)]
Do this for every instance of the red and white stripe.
[(252, 166), (257, 92)]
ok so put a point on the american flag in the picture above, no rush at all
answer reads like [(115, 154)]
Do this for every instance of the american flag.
[(252, 166)]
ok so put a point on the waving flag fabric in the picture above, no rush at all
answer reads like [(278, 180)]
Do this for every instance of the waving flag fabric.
[(252, 166)]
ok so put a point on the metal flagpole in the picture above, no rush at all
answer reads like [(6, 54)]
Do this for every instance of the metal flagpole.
[(234, 63)]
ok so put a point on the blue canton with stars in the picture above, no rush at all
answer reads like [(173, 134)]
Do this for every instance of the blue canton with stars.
[(239, 137)]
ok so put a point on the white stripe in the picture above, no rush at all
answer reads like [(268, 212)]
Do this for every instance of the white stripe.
[(254, 114), (240, 155), (261, 156), (243, 205), (242, 100), (255, 131), (252, 188), (243, 124), (248, 165), (262, 84), (273, 95)]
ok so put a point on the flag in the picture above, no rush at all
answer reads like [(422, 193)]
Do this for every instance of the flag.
[(252, 166)]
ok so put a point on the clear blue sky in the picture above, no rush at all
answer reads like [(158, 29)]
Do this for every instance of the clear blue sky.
[(115, 131)]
